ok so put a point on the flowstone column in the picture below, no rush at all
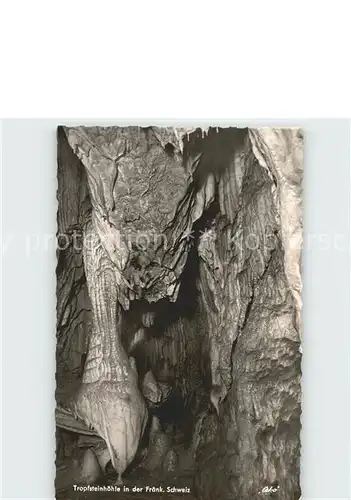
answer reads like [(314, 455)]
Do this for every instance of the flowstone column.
[(109, 399)]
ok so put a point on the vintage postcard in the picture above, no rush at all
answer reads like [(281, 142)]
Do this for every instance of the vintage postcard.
[(178, 313)]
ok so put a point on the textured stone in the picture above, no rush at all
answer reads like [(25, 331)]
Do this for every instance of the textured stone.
[(154, 392), (159, 445), (73, 305), (91, 470), (109, 392), (280, 151), (251, 293), (143, 209)]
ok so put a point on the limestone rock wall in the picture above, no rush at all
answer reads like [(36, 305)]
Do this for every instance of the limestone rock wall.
[(225, 204), (250, 284)]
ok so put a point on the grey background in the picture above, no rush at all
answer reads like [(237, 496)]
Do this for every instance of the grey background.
[(29, 300)]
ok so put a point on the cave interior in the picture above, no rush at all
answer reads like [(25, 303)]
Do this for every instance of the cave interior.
[(216, 346)]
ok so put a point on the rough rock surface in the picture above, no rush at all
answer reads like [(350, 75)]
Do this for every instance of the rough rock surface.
[(143, 208), (73, 304), (159, 445), (91, 470), (170, 462), (251, 292), (109, 392)]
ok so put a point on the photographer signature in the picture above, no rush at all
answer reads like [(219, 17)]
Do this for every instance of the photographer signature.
[(269, 489)]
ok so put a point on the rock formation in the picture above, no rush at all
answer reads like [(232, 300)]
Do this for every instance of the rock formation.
[(189, 261)]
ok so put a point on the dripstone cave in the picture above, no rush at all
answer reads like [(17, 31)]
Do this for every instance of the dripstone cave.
[(178, 313)]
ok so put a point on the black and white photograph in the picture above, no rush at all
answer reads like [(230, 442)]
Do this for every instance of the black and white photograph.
[(175, 236), (178, 312)]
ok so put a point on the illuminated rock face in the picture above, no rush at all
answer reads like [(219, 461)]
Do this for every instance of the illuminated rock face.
[(143, 204), (228, 202)]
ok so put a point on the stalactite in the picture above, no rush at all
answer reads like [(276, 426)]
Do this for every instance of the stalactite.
[(141, 193), (250, 302)]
